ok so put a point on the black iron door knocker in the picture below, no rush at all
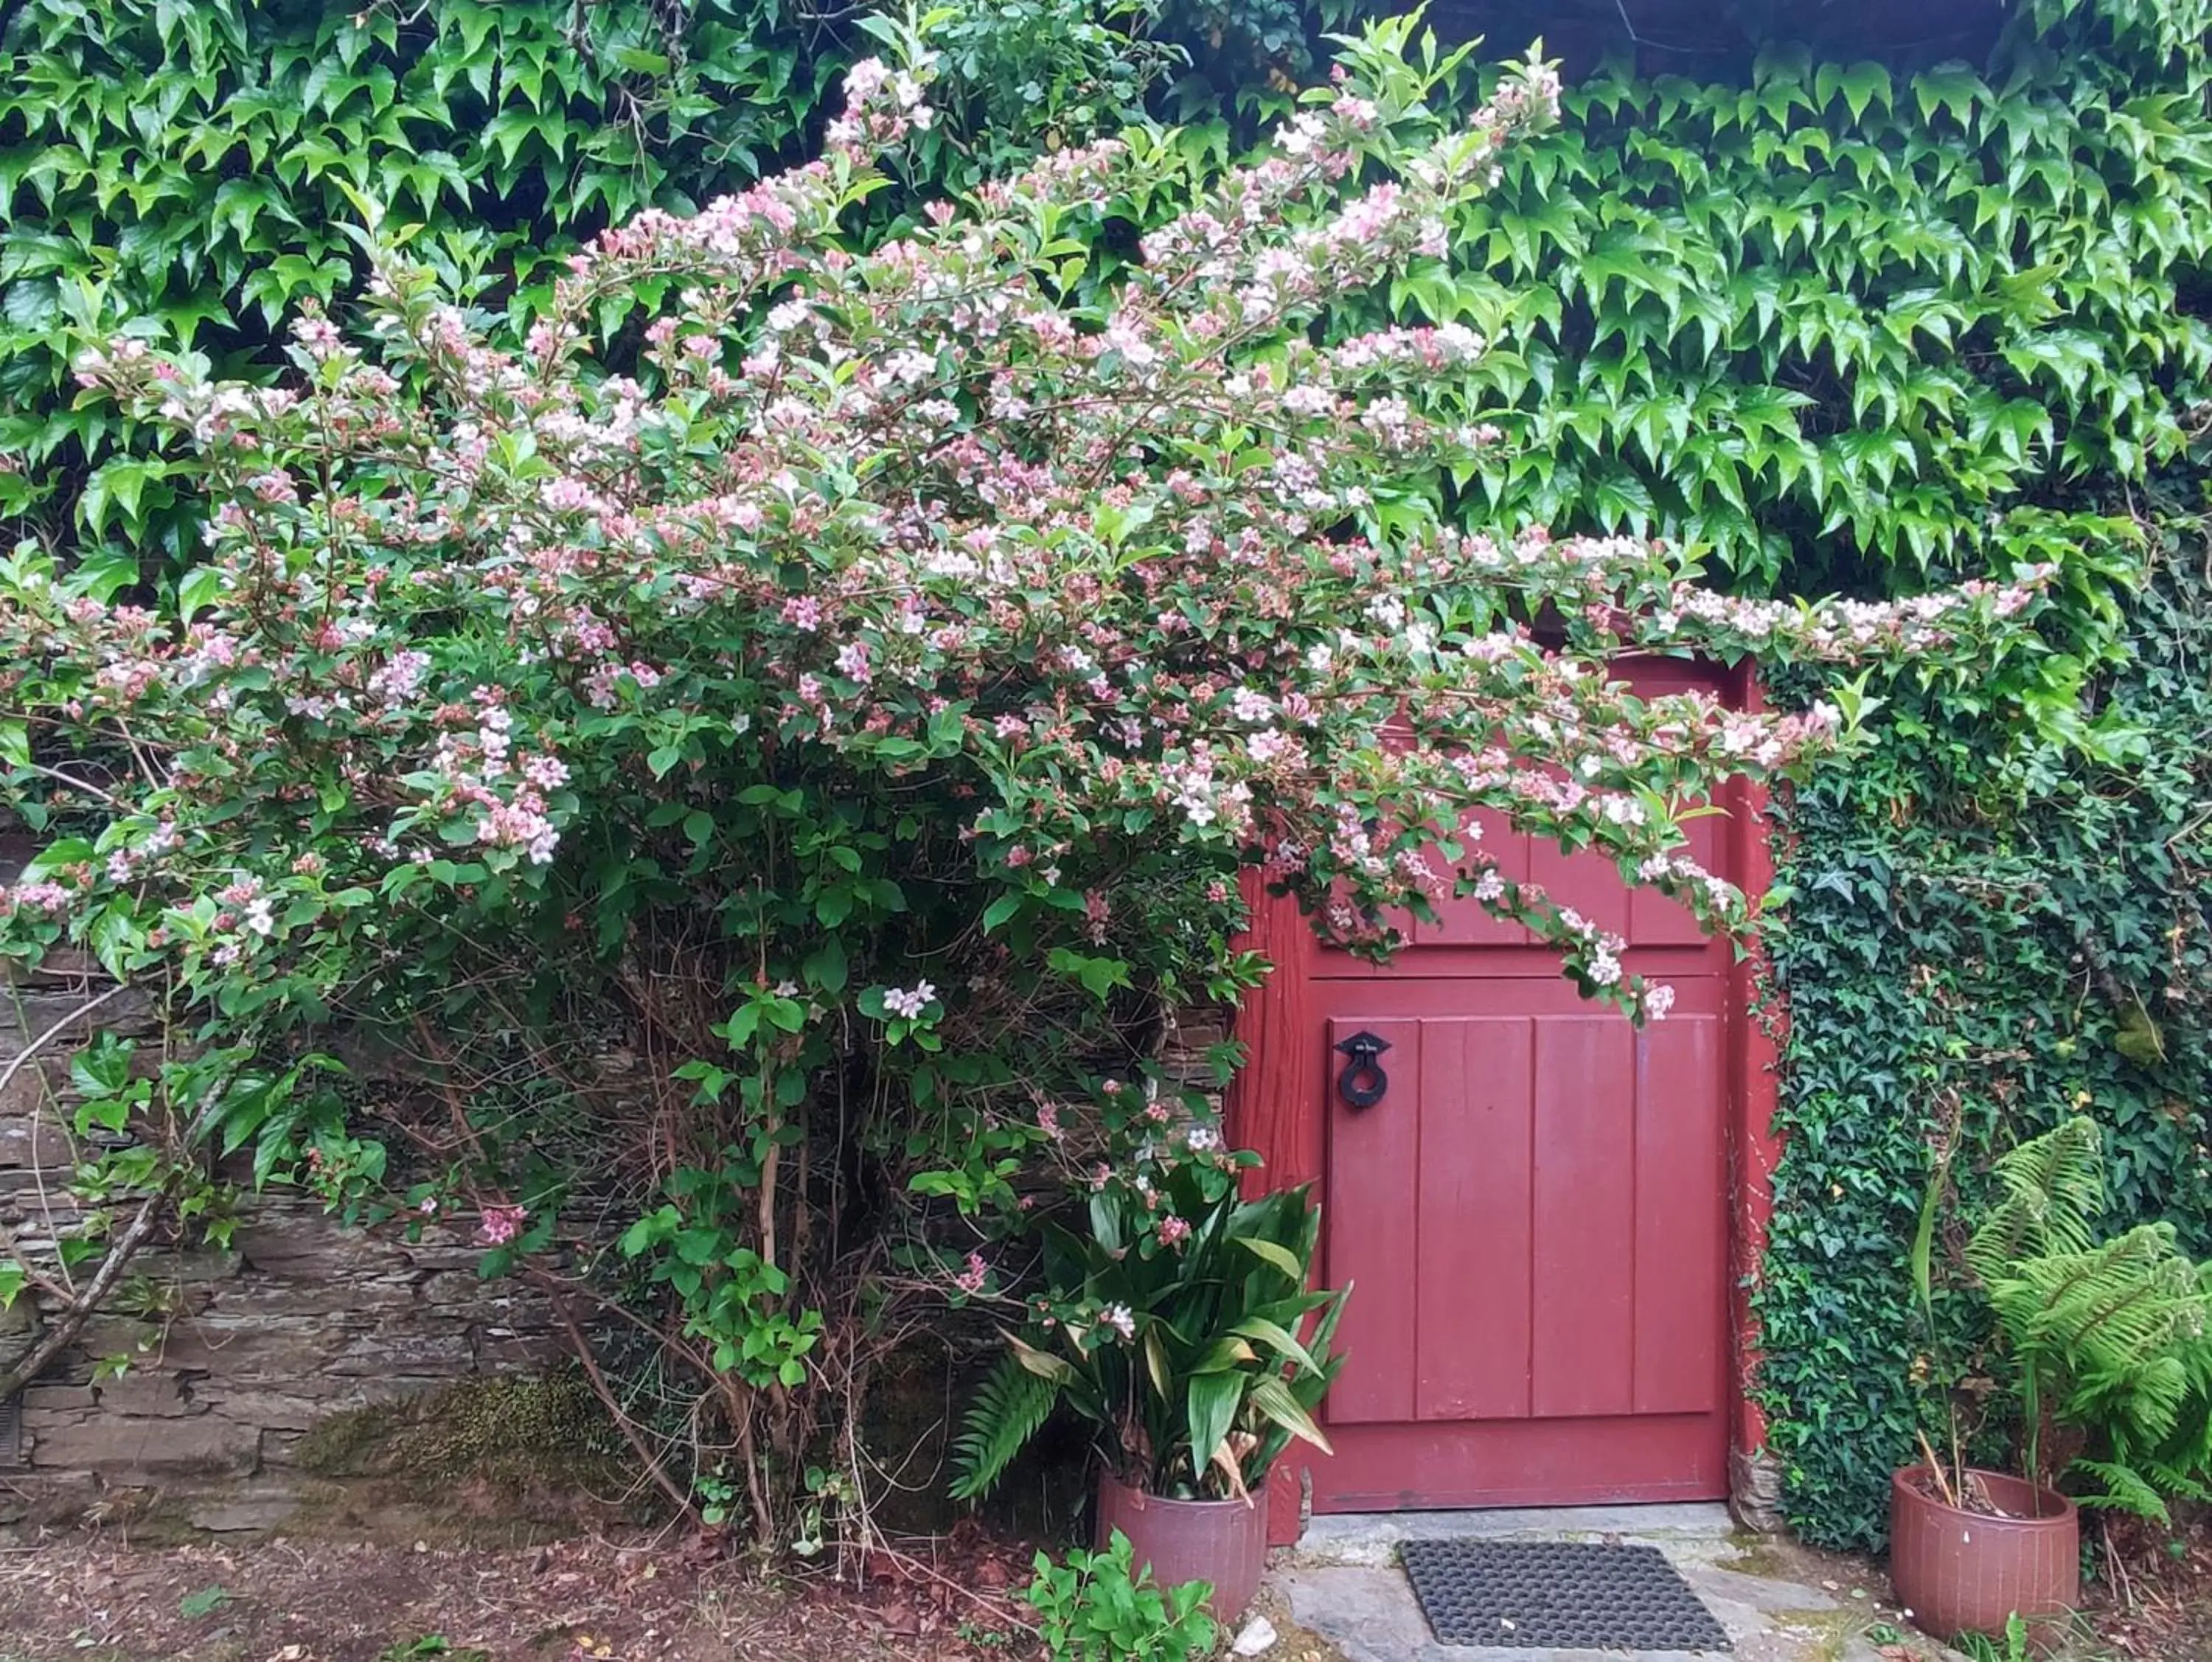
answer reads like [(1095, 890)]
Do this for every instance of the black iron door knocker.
[(1363, 1081)]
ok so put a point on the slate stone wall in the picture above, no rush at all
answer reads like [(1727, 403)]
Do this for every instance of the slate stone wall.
[(234, 1356)]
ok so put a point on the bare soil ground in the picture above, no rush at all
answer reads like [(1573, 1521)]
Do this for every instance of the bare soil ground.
[(95, 1596), (2153, 1598), (89, 1598)]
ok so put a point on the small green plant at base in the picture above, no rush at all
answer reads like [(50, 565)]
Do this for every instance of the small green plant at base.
[(716, 1495), (1095, 1608), (828, 1493), (205, 1602), (430, 1644), (1979, 1647)]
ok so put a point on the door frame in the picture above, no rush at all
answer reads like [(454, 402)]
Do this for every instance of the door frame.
[(1277, 1106)]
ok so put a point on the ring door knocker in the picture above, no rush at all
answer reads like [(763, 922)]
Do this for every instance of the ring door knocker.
[(1363, 1081)]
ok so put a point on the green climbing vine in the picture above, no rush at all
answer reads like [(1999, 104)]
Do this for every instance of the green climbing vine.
[(1991, 933), (200, 170)]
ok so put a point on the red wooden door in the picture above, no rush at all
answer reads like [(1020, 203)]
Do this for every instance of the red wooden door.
[(1534, 1217)]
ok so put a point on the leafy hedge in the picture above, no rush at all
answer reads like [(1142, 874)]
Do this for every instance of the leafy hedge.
[(2004, 933), (198, 170)]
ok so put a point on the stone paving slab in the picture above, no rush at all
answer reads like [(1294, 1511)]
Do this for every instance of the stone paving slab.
[(1344, 1583)]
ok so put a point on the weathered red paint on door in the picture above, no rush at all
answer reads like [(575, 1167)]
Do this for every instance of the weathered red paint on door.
[(1535, 1217)]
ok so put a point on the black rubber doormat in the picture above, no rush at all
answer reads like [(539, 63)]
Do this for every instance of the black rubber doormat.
[(1573, 1595)]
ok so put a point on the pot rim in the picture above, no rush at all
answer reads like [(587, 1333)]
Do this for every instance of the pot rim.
[(2066, 1513), (1252, 1501)]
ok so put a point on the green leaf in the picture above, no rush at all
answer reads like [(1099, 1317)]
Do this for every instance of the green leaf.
[(204, 1602), (1284, 1344), (826, 967), (1273, 1399), (1044, 1365), (199, 588), (1212, 1408), (1864, 84), (1274, 1255)]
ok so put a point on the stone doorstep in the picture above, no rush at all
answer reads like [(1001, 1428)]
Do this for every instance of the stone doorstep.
[(1342, 1582), (1372, 1538)]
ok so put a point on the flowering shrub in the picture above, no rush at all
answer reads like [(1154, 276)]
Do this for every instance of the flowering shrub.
[(730, 765)]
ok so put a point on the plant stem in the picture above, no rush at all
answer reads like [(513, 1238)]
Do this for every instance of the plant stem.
[(72, 1321), (1944, 1483)]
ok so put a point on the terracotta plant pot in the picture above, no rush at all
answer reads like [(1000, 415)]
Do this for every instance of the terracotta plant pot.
[(1224, 1542), (1966, 1572)]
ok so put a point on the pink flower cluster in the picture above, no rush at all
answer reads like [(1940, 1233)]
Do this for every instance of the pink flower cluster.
[(905, 524)]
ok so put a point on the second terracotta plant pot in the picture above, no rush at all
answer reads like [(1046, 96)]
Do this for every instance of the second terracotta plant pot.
[(1223, 1541), (1964, 1572)]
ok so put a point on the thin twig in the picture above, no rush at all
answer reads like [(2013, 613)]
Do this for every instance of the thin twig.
[(7, 1077), (16, 1062), (2119, 1569), (582, 1348), (999, 1608), (63, 1332), (1935, 1468)]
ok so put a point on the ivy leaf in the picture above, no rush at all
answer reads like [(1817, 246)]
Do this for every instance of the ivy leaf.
[(1863, 83), (2138, 1038)]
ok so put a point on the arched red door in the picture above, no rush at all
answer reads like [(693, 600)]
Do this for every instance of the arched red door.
[(1535, 1216)]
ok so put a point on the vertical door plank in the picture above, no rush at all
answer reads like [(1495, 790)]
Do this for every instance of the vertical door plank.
[(1681, 1247), (1585, 1216), (1374, 1169), (1477, 1146)]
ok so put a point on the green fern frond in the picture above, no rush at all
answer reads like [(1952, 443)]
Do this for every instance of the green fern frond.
[(2123, 1489), (2052, 1191), (1010, 1409), (2113, 1337)]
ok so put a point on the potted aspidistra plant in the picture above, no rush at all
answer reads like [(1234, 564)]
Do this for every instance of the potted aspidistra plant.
[(2107, 1350), (1171, 1322)]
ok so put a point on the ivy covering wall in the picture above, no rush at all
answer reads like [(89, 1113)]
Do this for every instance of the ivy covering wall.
[(1983, 934), (201, 168)]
